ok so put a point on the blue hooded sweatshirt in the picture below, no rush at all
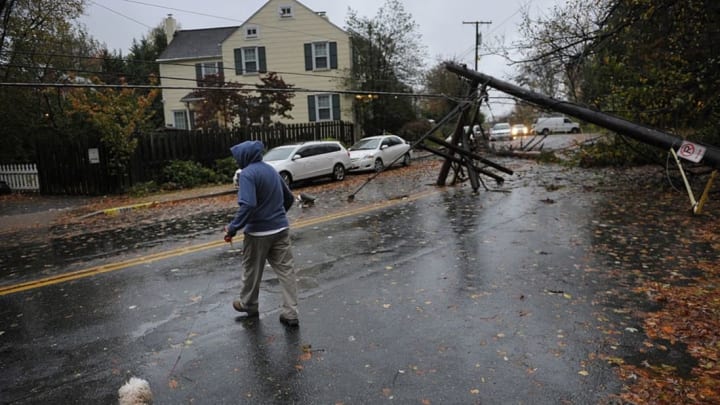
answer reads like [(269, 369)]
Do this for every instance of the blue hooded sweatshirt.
[(263, 196)]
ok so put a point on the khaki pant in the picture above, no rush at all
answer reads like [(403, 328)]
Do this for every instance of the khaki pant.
[(275, 249)]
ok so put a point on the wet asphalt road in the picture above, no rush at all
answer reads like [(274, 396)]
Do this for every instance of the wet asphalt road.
[(448, 298)]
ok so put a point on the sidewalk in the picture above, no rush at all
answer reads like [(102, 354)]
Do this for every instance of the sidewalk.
[(25, 211)]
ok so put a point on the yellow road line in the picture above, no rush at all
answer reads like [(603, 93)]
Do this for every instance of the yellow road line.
[(91, 271)]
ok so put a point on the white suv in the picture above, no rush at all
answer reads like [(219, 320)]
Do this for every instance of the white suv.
[(309, 160)]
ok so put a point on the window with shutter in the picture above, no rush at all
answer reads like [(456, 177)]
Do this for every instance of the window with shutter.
[(324, 107), (321, 56), (207, 70), (250, 60)]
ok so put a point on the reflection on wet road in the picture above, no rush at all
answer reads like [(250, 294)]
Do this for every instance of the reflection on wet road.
[(450, 298)]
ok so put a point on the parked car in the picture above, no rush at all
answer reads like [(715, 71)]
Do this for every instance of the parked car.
[(236, 178), (309, 160), (546, 125), (377, 152), (476, 133), (519, 130), (500, 131)]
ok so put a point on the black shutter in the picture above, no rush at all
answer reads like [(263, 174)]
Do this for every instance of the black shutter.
[(333, 55), (311, 108), (262, 63), (336, 107), (238, 61), (198, 74), (308, 57), (221, 72)]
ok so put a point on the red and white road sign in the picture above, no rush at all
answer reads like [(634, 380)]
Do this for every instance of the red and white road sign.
[(691, 151)]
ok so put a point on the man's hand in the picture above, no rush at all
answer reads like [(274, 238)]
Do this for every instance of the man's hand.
[(228, 235)]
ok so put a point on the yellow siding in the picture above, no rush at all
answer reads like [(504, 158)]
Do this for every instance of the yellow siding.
[(177, 74), (283, 39)]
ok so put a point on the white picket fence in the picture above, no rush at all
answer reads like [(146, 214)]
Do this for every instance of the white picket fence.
[(20, 177)]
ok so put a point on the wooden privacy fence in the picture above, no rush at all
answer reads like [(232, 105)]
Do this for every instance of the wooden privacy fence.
[(20, 177), (156, 149), (80, 166)]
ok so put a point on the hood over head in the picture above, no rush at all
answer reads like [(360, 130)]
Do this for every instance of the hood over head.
[(247, 152)]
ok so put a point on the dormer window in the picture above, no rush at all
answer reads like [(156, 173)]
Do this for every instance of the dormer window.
[(252, 32), (285, 11)]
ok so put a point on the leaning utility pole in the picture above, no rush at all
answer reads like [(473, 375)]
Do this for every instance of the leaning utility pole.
[(477, 37)]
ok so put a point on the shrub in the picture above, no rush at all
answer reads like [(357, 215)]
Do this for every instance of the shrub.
[(225, 169), (143, 189), (187, 174), (413, 130)]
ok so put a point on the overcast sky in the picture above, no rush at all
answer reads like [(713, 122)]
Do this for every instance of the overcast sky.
[(116, 22)]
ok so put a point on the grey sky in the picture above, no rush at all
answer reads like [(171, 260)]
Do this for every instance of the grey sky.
[(117, 22)]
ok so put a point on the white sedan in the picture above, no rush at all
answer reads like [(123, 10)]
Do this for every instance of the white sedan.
[(377, 152)]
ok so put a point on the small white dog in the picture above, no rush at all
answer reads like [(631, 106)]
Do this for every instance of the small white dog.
[(135, 392)]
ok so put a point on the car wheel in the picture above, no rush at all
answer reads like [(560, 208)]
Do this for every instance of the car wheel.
[(338, 172), (575, 131), (545, 131), (406, 160), (286, 177), (379, 166)]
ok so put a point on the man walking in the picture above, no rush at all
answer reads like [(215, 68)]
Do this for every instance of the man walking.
[(264, 199)]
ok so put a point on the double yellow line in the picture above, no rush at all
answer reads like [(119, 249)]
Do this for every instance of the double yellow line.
[(106, 268)]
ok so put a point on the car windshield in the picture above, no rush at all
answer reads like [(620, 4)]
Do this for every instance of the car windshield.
[(366, 144), (279, 153), (501, 126)]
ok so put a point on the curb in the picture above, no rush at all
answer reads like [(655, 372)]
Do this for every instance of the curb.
[(126, 208)]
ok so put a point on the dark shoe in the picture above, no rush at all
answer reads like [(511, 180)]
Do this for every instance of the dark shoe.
[(292, 322), (251, 313)]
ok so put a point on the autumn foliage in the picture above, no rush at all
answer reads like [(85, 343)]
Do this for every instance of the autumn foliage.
[(116, 114)]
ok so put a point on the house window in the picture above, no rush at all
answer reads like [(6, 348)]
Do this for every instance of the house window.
[(251, 32), (324, 107), (285, 11), (206, 70), (209, 69), (321, 56), (180, 119), (250, 60)]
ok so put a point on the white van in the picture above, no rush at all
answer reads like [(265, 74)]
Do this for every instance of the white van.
[(546, 125)]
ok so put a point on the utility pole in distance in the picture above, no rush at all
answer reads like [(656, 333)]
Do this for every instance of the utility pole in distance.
[(477, 37)]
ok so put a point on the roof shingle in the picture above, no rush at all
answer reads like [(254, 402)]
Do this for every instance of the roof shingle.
[(196, 44)]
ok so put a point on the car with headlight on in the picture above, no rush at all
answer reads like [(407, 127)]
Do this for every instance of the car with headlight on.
[(377, 152), (307, 160), (519, 130), (500, 131)]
